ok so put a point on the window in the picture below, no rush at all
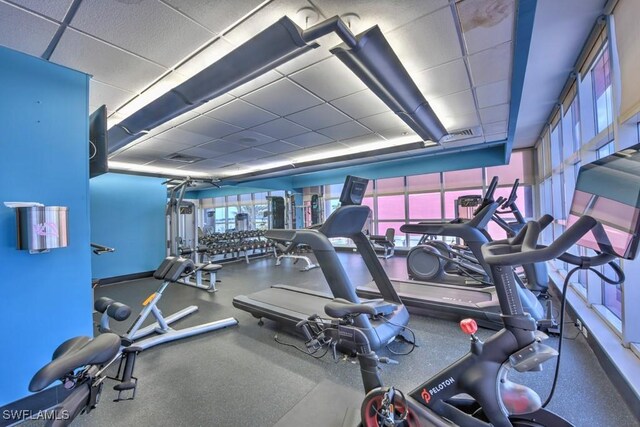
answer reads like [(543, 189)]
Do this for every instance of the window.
[(518, 168), (556, 148), (390, 185), (260, 207), (612, 294), (605, 150), (425, 206), (450, 200), (575, 122), (468, 178), (601, 76)]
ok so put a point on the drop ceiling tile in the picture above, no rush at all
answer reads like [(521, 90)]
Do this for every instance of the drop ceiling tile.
[(309, 139), (397, 132), (216, 16), (102, 93), (493, 94), (443, 80), (328, 79), (141, 28), (388, 15), (201, 152), (257, 83), (454, 104), (345, 131), (361, 141), (206, 57), (460, 121), (229, 170), (494, 114), (264, 18), (104, 62), (241, 114), (361, 104), (246, 155), (319, 151), (215, 102), (53, 9), (14, 21), (486, 23), (383, 121), (280, 129), (138, 157), (320, 116), (248, 138), (427, 42), (221, 147), (209, 127), (496, 127), (205, 165), (282, 97), (166, 163), (158, 145), (491, 65), (208, 165), (176, 121), (183, 137), (496, 137), (279, 147)]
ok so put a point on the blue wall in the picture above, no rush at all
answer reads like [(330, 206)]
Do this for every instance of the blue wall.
[(45, 298), (128, 214)]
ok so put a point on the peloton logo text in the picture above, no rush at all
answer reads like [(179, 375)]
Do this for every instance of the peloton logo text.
[(426, 395)]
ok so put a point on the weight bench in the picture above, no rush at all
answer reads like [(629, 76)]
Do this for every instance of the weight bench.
[(386, 241), (288, 252), (200, 269)]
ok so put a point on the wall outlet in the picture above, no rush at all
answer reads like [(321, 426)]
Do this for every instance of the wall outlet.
[(585, 332), (579, 325)]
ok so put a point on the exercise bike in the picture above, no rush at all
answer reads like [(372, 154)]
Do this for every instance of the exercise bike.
[(491, 399), (80, 364)]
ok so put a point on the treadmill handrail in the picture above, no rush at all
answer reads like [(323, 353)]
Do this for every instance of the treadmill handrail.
[(314, 238), (465, 230), (280, 235)]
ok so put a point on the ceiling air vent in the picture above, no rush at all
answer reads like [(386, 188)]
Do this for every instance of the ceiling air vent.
[(459, 134), (183, 158)]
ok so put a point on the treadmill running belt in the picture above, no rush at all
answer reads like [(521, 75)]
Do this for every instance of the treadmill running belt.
[(408, 289), (293, 300)]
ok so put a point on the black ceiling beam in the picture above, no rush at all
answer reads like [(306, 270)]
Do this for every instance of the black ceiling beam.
[(377, 65), (272, 47)]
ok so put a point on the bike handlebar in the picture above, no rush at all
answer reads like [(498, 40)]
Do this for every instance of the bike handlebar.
[(523, 249)]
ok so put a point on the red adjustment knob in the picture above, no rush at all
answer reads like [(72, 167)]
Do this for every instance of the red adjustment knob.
[(469, 326)]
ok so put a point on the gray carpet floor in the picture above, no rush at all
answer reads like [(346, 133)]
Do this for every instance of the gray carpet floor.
[(240, 376)]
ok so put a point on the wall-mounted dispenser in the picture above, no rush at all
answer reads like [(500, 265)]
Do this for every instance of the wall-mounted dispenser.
[(41, 228)]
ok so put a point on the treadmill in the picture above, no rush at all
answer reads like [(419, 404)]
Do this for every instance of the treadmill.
[(457, 302), (288, 305)]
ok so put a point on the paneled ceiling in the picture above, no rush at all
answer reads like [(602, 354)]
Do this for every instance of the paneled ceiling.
[(459, 53)]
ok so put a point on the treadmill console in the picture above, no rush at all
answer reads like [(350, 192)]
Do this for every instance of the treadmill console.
[(353, 190)]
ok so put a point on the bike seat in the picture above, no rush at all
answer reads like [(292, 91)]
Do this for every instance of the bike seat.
[(75, 353), (341, 307)]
